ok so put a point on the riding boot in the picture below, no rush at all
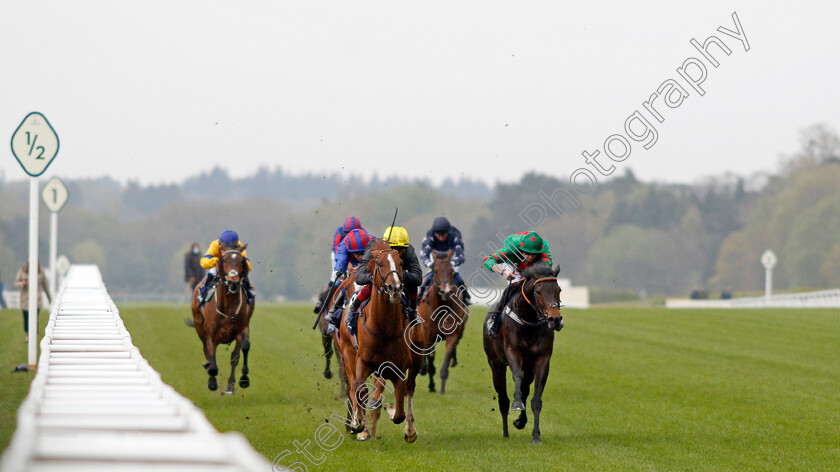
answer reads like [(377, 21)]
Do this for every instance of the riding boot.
[(495, 313), (209, 280), (352, 314), (409, 307), (323, 300), (249, 290), (334, 316), (423, 287), (465, 294)]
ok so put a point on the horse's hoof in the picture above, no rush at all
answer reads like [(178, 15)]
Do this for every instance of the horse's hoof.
[(244, 382), (230, 390), (391, 410), (410, 438), (517, 406), (536, 441), (432, 389), (212, 385), (454, 362), (363, 436), (327, 374), (520, 423)]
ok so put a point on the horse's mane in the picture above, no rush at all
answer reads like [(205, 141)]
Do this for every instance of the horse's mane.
[(538, 271)]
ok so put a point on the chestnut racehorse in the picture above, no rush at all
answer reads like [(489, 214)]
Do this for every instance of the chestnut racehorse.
[(524, 343), (225, 318), (381, 349), (444, 316)]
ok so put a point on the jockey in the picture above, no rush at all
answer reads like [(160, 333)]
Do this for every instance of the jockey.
[(443, 237), (412, 275), (350, 223), (519, 251), (227, 240), (349, 251)]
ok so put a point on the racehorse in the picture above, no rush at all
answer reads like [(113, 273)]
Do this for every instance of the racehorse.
[(381, 350), (525, 342), (444, 316), (225, 318)]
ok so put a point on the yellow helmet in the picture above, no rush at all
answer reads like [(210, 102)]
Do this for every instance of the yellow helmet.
[(398, 236)]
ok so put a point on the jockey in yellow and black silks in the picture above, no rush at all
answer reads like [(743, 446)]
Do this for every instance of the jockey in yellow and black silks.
[(227, 240)]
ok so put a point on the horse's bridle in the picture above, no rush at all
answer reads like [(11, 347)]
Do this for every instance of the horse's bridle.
[(230, 285), (378, 273), (542, 315), (440, 285)]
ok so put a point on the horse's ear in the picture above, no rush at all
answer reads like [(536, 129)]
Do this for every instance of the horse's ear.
[(556, 270), (244, 246)]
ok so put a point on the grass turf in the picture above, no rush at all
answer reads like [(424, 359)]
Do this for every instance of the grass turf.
[(629, 389)]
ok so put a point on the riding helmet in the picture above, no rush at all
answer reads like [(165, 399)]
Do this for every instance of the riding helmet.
[(229, 238), (531, 243), (352, 223), (441, 225), (396, 236), (357, 240)]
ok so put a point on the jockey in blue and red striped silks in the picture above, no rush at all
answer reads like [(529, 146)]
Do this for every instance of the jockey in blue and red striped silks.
[(349, 252), (350, 223)]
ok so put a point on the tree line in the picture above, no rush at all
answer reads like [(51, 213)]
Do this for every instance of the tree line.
[(647, 237)]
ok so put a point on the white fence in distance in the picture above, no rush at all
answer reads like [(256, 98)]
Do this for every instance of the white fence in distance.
[(95, 404), (818, 299)]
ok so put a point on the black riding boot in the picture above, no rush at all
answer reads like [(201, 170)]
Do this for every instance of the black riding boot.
[(249, 290), (495, 313), (409, 307), (334, 316), (423, 287), (209, 280), (352, 314), (465, 294)]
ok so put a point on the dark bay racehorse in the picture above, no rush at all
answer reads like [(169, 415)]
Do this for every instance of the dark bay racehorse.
[(381, 350), (524, 343), (444, 317), (225, 318)]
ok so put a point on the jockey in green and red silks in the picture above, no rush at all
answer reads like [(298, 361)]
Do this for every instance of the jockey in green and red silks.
[(520, 251)]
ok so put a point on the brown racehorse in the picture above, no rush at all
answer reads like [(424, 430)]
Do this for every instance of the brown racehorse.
[(444, 316), (225, 318), (381, 349), (525, 342)]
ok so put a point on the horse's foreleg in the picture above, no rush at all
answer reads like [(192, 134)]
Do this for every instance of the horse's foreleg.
[(328, 351), (541, 377), (500, 384), (515, 363), (359, 392), (431, 370), (212, 368), (397, 410), (375, 410), (244, 381), (410, 432), (527, 378), (451, 345), (234, 361)]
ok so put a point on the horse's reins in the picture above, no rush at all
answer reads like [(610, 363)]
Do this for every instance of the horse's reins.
[(542, 315), (378, 272), (228, 284), (380, 289)]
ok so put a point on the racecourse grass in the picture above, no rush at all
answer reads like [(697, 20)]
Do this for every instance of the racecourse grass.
[(630, 389)]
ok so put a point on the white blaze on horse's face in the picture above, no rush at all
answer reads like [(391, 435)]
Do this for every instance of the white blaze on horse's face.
[(393, 268)]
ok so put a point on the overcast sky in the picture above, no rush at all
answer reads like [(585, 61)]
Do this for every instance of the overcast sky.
[(160, 91)]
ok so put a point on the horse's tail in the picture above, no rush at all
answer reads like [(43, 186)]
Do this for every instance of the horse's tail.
[(189, 323)]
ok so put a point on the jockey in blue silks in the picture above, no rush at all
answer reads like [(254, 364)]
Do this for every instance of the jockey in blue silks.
[(350, 223), (444, 237), (349, 252)]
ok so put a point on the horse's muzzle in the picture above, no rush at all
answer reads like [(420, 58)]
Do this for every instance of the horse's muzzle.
[(555, 323)]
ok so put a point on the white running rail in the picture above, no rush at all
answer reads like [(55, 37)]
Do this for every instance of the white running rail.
[(818, 299), (97, 405)]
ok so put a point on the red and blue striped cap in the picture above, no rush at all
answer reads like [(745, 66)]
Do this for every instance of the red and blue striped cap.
[(357, 240), (352, 223)]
